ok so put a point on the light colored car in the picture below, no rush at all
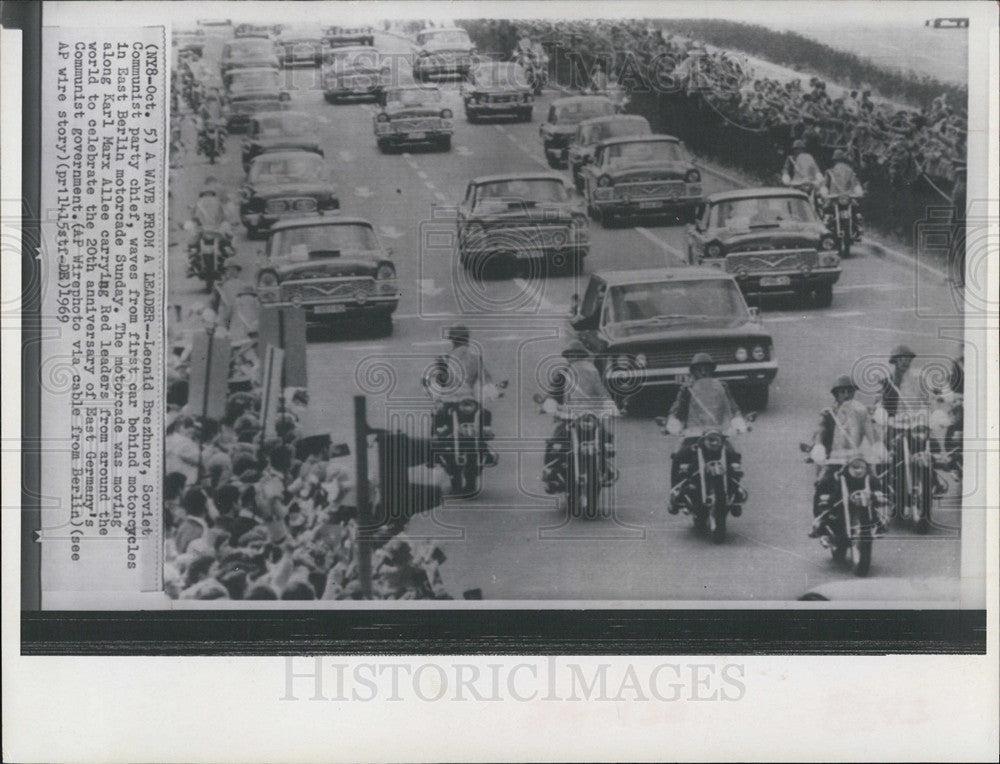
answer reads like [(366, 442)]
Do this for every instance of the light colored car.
[(592, 131), (354, 71), (443, 52), (413, 115), (564, 115)]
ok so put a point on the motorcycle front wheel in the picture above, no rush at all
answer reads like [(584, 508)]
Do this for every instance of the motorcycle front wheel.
[(862, 554)]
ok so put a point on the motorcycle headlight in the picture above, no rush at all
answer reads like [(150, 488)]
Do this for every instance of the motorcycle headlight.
[(827, 243), (712, 441), (693, 176), (385, 272), (446, 114), (741, 354), (844, 201), (604, 180), (587, 423), (759, 353), (714, 249), (267, 279), (640, 360), (857, 468), (715, 468)]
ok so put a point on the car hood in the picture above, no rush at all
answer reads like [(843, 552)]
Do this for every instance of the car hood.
[(649, 171), (251, 94), (349, 264), (448, 47), (350, 71), (653, 333), (788, 236), (547, 213), (286, 142), (250, 61), (560, 129), (292, 189), (406, 112)]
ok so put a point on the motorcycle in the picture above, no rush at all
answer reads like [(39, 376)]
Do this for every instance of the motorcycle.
[(537, 71), (212, 141), (458, 432), (910, 477), (587, 462), (707, 495), (839, 213), (849, 517), (208, 259)]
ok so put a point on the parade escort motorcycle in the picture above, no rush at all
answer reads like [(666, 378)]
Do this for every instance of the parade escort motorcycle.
[(212, 141), (212, 242), (459, 433), (839, 213), (850, 511)]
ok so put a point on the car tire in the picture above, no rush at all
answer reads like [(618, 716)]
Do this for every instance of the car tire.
[(526, 115), (607, 218), (577, 181), (756, 397), (385, 147), (471, 118), (823, 296), (444, 143), (383, 324)]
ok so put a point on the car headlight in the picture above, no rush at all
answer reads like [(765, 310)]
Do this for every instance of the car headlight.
[(604, 180), (829, 261), (693, 176), (446, 114), (640, 360), (828, 243), (267, 279), (382, 117), (714, 249), (759, 353), (741, 354), (385, 272)]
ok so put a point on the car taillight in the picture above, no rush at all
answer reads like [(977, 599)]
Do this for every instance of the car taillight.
[(604, 180)]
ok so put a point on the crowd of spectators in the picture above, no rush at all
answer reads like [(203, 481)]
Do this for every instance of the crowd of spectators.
[(878, 136), (254, 517)]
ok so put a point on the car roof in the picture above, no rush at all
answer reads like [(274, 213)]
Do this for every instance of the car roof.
[(646, 275), (754, 193), (652, 138), (580, 99), (517, 176), (305, 222), (613, 118)]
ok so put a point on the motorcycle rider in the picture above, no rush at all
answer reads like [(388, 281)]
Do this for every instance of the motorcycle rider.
[(212, 112), (209, 215), (801, 169), (463, 373), (578, 388), (840, 180), (704, 403), (844, 429)]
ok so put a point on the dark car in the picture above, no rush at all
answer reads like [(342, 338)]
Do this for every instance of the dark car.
[(352, 72), (189, 43), (443, 52), (498, 89), (504, 219), (592, 131), (248, 53), (413, 115), (338, 37), (300, 49), (641, 175), (284, 184), (564, 116), (770, 239), (644, 326), (251, 91), (280, 131), (333, 268)]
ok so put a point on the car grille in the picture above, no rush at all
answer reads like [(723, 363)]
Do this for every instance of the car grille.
[(344, 289), (279, 206), (520, 237), (771, 260), (721, 352), (416, 125), (673, 189), (503, 99)]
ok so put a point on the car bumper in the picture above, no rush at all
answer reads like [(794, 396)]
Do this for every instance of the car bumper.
[(533, 252), (413, 136), (647, 204), (262, 221), (442, 67), (750, 372), (357, 91), (508, 107), (787, 281)]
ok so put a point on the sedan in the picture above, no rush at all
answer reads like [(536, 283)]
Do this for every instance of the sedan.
[(284, 184)]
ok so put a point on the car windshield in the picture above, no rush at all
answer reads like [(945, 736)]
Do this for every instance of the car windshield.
[(618, 128), (302, 242), (414, 96), (289, 123), (306, 168), (577, 111), (353, 59), (256, 80), (449, 36), (249, 48), (669, 301), (521, 191), (642, 153), (761, 212), (502, 75)]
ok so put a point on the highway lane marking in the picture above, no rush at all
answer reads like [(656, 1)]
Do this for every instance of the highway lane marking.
[(463, 151), (543, 301), (430, 185), (669, 249), (877, 287), (440, 197), (887, 330), (844, 314), (422, 174), (428, 343), (345, 156)]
